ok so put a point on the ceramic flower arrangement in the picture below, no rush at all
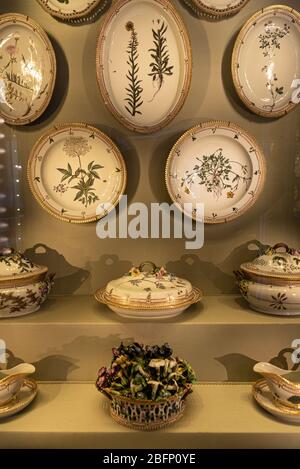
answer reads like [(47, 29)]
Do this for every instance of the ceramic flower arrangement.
[(147, 385)]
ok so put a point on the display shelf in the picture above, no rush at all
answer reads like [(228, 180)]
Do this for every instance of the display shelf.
[(70, 337), (77, 416), (212, 310)]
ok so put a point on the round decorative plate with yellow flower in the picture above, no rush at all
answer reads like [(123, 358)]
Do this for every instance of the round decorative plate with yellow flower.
[(217, 164), (76, 173)]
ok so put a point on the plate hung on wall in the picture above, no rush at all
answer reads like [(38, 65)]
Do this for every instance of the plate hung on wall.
[(27, 69), (266, 61), (216, 8), (218, 164), (72, 9), (144, 63), (74, 171)]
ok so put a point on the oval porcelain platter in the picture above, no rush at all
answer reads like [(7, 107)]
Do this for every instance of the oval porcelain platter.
[(27, 69), (266, 61), (144, 63), (70, 9), (76, 173), (216, 8), (217, 164)]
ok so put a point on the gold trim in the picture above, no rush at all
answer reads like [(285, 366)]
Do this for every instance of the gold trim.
[(14, 405), (199, 7), (195, 296), (38, 30), (147, 426), (103, 137), (259, 154), (92, 4), (188, 65), (261, 386), (260, 275), (23, 279), (235, 55)]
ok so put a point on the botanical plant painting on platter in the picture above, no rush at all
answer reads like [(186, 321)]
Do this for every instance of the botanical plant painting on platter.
[(27, 69), (75, 172), (266, 64), (143, 68)]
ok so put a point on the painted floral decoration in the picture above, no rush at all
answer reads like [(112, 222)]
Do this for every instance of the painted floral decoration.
[(145, 372)]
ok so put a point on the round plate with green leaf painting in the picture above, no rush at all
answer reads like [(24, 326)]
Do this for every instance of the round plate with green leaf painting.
[(219, 165), (76, 173)]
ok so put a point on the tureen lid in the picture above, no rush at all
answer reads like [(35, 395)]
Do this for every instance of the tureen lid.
[(278, 261), (14, 265), (148, 284)]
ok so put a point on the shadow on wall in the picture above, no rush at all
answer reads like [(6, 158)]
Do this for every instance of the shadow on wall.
[(239, 367), (221, 277), (68, 278), (51, 368), (108, 267)]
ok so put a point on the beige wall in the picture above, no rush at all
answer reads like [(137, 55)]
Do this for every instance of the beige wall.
[(84, 262)]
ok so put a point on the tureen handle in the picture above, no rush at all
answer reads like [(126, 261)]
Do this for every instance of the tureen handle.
[(281, 245), (148, 263)]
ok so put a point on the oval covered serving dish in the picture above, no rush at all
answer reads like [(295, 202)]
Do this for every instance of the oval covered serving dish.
[(144, 63), (151, 294), (24, 286), (216, 8), (147, 386), (27, 69), (271, 283), (266, 61)]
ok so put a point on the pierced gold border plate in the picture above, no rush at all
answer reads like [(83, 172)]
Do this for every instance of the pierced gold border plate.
[(215, 129), (37, 30), (201, 8), (38, 156), (185, 64), (91, 5), (264, 14)]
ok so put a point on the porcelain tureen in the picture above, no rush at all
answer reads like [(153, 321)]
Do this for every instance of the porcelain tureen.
[(150, 294), (24, 286), (271, 283)]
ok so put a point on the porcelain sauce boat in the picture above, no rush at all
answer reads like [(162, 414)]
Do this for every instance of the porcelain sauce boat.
[(12, 380), (283, 384)]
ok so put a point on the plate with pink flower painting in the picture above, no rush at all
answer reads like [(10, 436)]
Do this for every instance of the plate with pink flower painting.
[(27, 69), (217, 164), (76, 173)]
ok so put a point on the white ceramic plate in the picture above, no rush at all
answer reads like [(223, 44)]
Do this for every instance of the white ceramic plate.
[(74, 171), (216, 8), (218, 164), (27, 69), (266, 61), (263, 397), (26, 395), (144, 63), (70, 9)]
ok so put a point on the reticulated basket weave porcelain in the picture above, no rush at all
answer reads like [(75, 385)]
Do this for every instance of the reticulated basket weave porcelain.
[(24, 286), (147, 415), (271, 283)]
